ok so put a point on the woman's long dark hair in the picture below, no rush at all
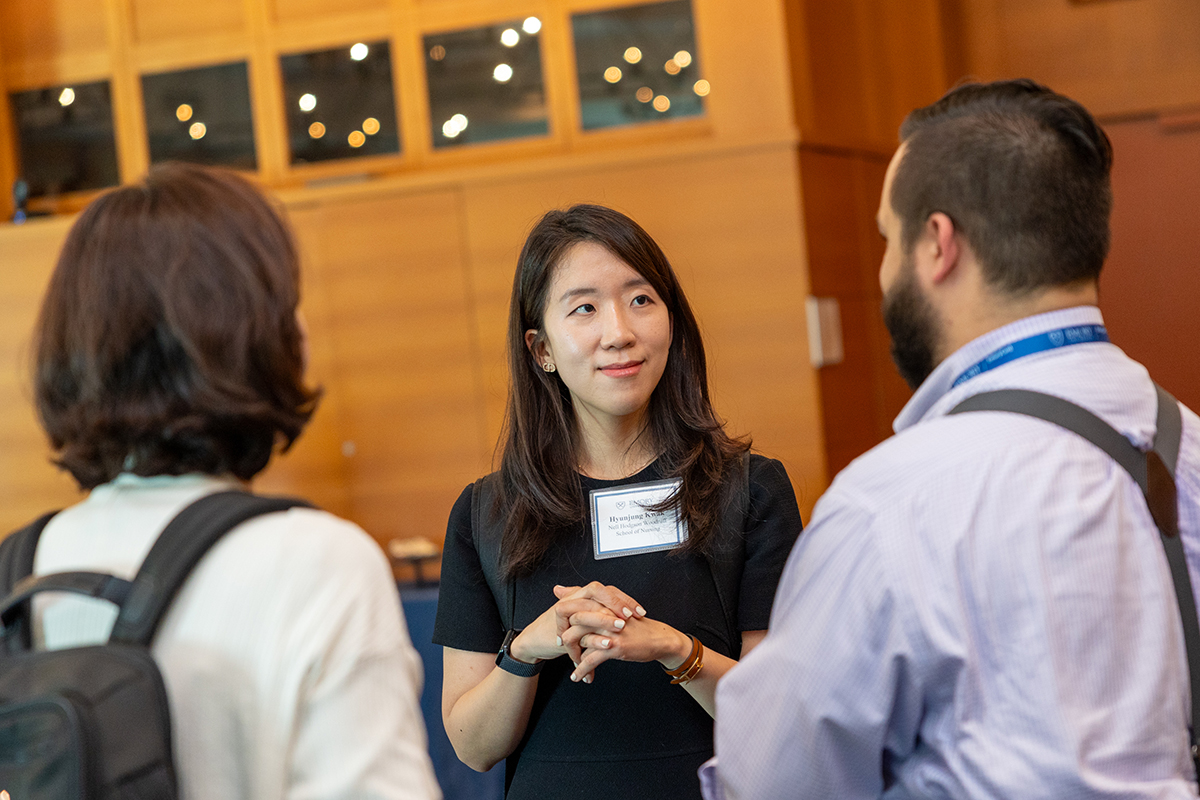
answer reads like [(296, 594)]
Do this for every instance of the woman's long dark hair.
[(540, 491)]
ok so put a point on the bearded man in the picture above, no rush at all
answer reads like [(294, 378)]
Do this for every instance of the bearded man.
[(981, 606)]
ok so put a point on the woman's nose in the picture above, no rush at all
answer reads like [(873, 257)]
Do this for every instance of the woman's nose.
[(617, 332)]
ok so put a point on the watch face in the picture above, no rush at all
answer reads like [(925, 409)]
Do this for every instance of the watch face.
[(506, 662)]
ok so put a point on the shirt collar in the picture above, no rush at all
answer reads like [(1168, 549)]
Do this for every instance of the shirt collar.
[(922, 404)]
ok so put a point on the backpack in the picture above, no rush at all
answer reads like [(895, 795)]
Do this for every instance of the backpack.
[(93, 722)]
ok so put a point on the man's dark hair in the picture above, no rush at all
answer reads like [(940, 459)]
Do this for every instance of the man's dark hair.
[(168, 341), (1024, 174), (540, 491)]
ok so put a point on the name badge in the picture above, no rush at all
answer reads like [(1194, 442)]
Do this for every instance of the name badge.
[(623, 523)]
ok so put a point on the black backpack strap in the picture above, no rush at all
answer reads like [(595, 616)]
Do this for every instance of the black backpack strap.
[(1154, 473), (16, 563), (91, 584), (178, 549)]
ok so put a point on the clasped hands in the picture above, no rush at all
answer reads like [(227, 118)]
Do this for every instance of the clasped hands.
[(594, 623)]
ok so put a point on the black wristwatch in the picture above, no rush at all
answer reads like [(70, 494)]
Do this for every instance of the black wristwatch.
[(506, 662)]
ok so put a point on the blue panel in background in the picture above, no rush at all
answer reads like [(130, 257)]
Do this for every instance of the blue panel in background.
[(458, 781)]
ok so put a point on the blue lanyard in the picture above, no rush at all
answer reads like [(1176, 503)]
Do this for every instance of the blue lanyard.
[(1052, 340)]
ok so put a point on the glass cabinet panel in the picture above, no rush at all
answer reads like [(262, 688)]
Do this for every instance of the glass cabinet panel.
[(485, 84), (340, 102), (637, 64)]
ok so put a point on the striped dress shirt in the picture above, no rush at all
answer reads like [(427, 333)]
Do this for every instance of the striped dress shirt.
[(980, 607)]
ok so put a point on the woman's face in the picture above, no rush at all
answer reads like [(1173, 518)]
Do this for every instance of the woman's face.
[(606, 331)]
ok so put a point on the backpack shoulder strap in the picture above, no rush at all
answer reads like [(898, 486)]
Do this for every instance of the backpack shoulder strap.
[(16, 563), (1155, 475), (178, 549), (17, 550)]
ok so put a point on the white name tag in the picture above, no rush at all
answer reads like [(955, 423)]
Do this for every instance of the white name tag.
[(623, 525)]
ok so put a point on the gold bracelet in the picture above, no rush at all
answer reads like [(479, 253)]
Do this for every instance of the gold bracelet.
[(691, 665)]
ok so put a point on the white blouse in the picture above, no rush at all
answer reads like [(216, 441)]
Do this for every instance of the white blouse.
[(286, 658)]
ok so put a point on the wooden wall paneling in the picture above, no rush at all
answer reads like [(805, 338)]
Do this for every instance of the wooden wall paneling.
[(744, 56), (29, 484), (861, 395), (129, 120), (328, 32), (285, 11), (8, 146), (316, 467), (867, 63), (1151, 284), (156, 21), (394, 272), (53, 41), (730, 225), (266, 94), (558, 74), (1117, 58), (408, 76)]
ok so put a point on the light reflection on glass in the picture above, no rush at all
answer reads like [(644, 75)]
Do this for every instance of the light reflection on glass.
[(661, 64), (347, 90), (454, 126), (67, 97), (491, 73)]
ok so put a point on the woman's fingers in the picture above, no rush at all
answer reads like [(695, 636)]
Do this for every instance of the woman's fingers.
[(566, 610), (592, 658), (610, 597), (600, 620)]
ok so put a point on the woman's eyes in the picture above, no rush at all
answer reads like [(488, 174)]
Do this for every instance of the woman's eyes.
[(640, 301)]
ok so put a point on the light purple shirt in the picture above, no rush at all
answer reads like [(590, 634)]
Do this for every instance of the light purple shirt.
[(979, 608)]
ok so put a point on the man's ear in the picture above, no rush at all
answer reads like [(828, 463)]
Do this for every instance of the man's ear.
[(943, 244)]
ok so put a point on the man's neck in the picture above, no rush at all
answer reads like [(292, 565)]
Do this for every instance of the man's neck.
[(995, 310)]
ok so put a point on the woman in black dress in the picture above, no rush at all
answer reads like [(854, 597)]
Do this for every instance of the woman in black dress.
[(624, 528)]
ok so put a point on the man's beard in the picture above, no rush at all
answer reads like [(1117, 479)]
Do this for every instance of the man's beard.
[(914, 326)]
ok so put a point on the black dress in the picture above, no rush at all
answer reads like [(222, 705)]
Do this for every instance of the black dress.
[(631, 733)]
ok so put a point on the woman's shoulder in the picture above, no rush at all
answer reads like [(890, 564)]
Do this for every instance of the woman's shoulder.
[(306, 540), (765, 470)]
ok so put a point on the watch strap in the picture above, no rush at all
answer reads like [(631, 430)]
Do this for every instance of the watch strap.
[(506, 662)]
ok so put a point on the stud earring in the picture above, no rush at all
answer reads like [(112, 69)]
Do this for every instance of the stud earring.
[(548, 367)]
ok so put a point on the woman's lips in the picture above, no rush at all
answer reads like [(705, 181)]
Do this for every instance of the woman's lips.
[(626, 369)]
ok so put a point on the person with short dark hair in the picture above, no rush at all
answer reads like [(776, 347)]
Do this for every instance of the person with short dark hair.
[(981, 606), (170, 365), (625, 530)]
